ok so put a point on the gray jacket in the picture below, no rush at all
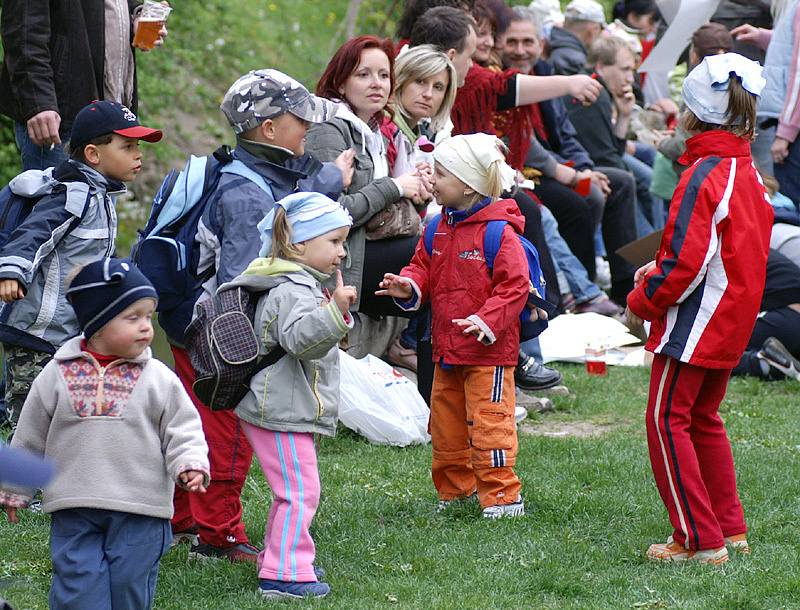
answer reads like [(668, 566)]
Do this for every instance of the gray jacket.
[(363, 199), (73, 223), (567, 53), (300, 392)]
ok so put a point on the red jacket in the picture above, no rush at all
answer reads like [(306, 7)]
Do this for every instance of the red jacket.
[(705, 293), (458, 283)]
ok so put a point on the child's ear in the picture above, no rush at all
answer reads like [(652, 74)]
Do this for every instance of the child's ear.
[(92, 154), (470, 192), (267, 130)]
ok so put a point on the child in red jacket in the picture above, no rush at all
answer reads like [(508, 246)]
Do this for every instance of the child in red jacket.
[(702, 295), (475, 325)]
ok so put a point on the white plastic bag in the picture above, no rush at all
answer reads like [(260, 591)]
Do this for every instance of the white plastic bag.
[(381, 404)]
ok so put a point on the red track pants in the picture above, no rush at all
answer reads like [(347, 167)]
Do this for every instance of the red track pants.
[(217, 513), (690, 453)]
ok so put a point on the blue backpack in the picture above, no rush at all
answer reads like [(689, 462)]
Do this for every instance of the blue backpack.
[(15, 209), (166, 251), (491, 245)]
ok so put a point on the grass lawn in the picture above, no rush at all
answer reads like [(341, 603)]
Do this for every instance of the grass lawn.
[(592, 509)]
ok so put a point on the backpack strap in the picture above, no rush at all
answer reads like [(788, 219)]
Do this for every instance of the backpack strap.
[(430, 232), (491, 241), (240, 169)]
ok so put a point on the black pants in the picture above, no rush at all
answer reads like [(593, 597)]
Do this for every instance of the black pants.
[(783, 324), (384, 256), (390, 256), (575, 216), (534, 233)]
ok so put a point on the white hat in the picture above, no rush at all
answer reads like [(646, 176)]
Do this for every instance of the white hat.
[(585, 10), (705, 89)]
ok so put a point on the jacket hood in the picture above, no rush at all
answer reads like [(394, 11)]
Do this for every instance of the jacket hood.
[(266, 273), (37, 182), (72, 349), (560, 38), (716, 143), (482, 212)]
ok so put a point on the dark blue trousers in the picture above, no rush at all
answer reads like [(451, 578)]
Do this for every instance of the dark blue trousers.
[(105, 559)]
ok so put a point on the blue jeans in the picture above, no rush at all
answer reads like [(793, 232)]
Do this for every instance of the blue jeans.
[(39, 157), (649, 208), (105, 558), (581, 287)]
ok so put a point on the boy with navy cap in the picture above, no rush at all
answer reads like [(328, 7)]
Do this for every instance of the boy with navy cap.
[(122, 431), (72, 223)]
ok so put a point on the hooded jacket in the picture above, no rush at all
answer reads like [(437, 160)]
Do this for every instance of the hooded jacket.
[(73, 223), (567, 53), (705, 293), (300, 392), (366, 195), (458, 284), (120, 435), (228, 233)]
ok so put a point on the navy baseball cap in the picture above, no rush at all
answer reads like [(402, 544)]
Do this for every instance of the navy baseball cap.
[(102, 117)]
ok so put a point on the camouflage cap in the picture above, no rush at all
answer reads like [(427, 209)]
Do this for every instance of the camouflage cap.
[(264, 94)]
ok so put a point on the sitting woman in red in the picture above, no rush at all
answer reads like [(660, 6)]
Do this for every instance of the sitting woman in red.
[(702, 295)]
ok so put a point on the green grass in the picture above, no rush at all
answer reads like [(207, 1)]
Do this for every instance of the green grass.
[(592, 510)]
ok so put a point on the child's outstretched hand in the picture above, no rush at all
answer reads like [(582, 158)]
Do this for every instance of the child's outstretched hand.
[(193, 481), (394, 286), (11, 290), (343, 296), (470, 328), (11, 514)]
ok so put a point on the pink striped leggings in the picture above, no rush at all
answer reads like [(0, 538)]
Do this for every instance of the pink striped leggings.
[(289, 462)]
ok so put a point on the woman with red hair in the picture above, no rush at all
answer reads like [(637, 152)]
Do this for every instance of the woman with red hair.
[(360, 77)]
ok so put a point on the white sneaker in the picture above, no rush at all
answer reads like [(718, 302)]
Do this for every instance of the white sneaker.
[(520, 413), (603, 270), (515, 509)]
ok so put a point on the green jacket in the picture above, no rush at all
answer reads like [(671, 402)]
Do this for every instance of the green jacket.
[(300, 392)]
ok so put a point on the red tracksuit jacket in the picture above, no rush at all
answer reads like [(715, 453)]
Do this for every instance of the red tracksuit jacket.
[(704, 295), (458, 283)]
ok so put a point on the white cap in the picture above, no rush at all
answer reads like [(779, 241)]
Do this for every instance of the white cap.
[(548, 11), (705, 89), (585, 10)]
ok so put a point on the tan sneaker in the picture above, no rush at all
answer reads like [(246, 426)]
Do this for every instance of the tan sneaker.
[(738, 543), (672, 551)]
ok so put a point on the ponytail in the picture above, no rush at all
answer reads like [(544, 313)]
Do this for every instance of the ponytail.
[(494, 173), (282, 246)]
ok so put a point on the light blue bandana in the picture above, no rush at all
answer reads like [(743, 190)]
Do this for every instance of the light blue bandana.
[(309, 214), (705, 89)]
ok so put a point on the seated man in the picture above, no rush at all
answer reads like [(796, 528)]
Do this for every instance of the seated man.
[(602, 128), (584, 21), (611, 199)]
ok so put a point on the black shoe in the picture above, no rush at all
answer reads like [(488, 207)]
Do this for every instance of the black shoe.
[(530, 375), (778, 357)]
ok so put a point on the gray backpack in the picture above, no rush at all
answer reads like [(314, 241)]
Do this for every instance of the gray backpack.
[(224, 348)]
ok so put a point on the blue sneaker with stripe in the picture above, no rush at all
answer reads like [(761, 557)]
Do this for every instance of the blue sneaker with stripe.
[(275, 589)]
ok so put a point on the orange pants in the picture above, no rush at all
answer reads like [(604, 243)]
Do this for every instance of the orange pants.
[(473, 433)]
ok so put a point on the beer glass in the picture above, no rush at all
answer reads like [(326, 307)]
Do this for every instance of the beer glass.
[(151, 20)]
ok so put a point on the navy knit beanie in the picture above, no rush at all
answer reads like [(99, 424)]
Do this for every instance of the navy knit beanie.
[(104, 288)]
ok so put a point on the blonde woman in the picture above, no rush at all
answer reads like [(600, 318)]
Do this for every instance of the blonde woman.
[(425, 89)]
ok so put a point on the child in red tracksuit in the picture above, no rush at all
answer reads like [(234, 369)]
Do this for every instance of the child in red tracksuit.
[(702, 295), (475, 325)]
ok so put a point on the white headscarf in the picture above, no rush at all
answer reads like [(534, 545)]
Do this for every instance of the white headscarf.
[(469, 158)]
